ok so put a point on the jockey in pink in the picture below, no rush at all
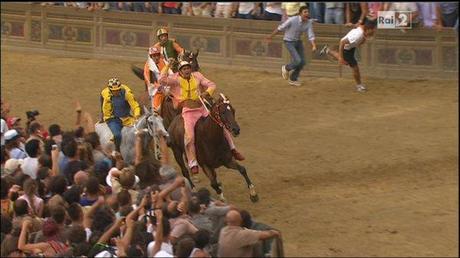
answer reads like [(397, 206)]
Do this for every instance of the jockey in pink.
[(186, 87)]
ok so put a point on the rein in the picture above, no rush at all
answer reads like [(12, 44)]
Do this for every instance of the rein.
[(136, 130), (215, 116)]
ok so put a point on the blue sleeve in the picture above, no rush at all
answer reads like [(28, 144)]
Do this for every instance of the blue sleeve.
[(311, 34), (285, 25)]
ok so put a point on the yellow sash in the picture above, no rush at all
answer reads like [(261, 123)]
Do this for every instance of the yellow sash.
[(189, 88)]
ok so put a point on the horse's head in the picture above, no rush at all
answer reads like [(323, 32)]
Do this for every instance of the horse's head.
[(175, 65), (155, 124), (224, 112), (191, 57), (151, 123)]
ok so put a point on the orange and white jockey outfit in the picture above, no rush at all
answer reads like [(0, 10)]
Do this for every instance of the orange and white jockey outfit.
[(152, 68), (186, 93)]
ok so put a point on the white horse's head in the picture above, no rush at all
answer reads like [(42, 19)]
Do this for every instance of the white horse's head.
[(156, 125), (152, 123)]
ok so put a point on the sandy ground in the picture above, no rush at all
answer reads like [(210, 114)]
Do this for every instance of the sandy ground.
[(339, 172)]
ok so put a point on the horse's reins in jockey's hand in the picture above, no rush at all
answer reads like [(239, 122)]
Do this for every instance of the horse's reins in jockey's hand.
[(205, 103)]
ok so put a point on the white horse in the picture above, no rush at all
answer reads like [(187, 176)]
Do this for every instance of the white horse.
[(149, 122)]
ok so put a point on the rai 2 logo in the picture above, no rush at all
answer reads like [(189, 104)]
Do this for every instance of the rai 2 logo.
[(394, 20)]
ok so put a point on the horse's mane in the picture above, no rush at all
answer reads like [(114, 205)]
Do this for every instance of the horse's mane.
[(140, 123)]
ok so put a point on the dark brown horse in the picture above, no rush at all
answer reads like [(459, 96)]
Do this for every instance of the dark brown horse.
[(191, 57), (212, 149), (168, 112)]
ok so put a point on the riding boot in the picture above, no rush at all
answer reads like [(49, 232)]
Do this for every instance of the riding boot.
[(237, 155)]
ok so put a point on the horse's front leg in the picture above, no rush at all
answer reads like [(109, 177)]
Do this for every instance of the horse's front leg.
[(178, 155), (252, 188), (211, 174)]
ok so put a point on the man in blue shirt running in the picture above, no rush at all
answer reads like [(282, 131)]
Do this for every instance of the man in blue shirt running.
[(293, 28)]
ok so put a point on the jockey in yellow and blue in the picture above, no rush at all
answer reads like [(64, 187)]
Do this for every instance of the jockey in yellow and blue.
[(119, 108)]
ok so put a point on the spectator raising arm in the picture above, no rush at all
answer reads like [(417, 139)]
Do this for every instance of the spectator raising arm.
[(55, 160), (84, 119), (178, 182), (88, 215), (22, 242), (159, 231), (108, 234)]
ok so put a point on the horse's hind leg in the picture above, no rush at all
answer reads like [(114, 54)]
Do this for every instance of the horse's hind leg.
[(211, 174), (180, 160), (252, 189)]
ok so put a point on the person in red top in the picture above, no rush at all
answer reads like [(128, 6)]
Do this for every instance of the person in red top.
[(152, 68), (170, 7)]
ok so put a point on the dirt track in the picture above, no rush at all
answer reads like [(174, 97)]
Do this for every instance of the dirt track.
[(340, 173)]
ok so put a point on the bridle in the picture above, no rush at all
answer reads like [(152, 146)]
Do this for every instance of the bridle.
[(151, 129), (214, 110)]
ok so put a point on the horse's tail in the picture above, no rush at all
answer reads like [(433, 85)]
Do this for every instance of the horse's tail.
[(138, 72)]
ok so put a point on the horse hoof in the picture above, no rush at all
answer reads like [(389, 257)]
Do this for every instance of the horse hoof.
[(221, 197), (253, 194), (254, 198)]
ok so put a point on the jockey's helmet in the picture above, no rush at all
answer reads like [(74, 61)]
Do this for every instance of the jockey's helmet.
[(114, 84), (183, 63), (154, 51), (161, 32)]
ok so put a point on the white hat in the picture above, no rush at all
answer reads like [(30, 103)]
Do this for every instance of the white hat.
[(11, 134), (108, 179), (11, 165), (183, 63), (105, 254)]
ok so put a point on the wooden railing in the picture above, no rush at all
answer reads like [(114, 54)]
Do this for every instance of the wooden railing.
[(415, 54)]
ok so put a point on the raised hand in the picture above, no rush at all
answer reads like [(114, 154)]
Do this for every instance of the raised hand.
[(145, 201), (26, 224), (130, 222), (77, 106), (100, 200)]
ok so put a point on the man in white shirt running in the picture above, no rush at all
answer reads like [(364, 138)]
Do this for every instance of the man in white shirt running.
[(346, 54)]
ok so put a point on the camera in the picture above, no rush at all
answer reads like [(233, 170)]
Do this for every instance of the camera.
[(149, 199), (32, 114), (151, 216)]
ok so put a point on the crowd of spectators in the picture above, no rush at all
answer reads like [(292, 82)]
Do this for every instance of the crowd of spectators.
[(424, 14), (65, 195)]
